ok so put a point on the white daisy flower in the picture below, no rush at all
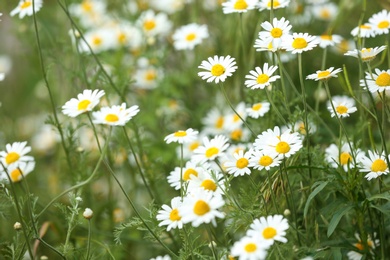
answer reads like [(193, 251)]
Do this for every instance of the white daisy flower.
[(214, 122), (17, 171), (147, 77), (167, 6), (15, 153), (189, 169), (189, 148), (263, 45), (97, 40), (261, 160), (188, 36), (115, 115), (170, 215), (238, 6), (207, 180), (266, 4), (380, 81), (273, 228), (233, 120), (343, 105), (202, 207), (250, 248), (91, 13), (84, 102), (261, 78), (324, 75), (182, 136), (25, 7), (239, 134), (326, 40), (258, 109), (355, 255), (300, 42), (127, 35), (211, 149), (343, 156), (375, 164), (165, 257), (380, 22), (217, 68), (239, 166), (326, 11), (363, 31), (299, 127), (275, 33), (366, 54), (153, 24)]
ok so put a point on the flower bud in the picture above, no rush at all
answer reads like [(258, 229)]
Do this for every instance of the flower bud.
[(17, 226), (88, 213)]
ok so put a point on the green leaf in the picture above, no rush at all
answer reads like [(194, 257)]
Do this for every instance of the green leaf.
[(385, 196), (385, 209), (336, 219), (312, 195)]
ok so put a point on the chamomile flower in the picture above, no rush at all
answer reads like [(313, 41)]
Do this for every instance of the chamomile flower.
[(127, 35), (170, 215), (300, 42), (84, 102), (239, 164), (165, 257), (343, 105), (380, 81), (233, 120), (263, 45), (357, 255), (209, 180), (91, 13), (168, 6), (189, 169), (153, 24), (326, 40), (324, 75), (261, 78), (147, 77), (217, 68), (366, 54), (363, 31), (266, 4), (250, 248), (258, 109), (276, 32), (188, 36), (18, 171), (325, 11), (214, 122), (97, 40), (211, 149), (27, 7), (182, 136), (15, 153), (343, 156), (115, 115), (380, 22), (202, 207), (375, 164), (238, 6), (273, 228), (261, 160)]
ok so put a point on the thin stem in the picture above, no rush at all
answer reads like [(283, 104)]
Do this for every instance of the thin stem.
[(271, 191), (89, 239)]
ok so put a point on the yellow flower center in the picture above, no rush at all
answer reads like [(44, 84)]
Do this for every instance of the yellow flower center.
[(257, 106), (194, 145), (12, 157), (219, 122), (201, 207), (276, 32), (190, 37), (325, 14), (121, 38), (365, 26), (83, 104), (187, 174), (359, 246), (180, 134), (326, 37), (217, 70), (209, 185), (383, 24), (265, 160), (15, 175), (150, 75), (269, 232), (149, 25), (250, 247), (378, 166), (282, 147), (240, 5), (111, 118), (96, 41), (174, 215), (299, 43), (383, 80), (86, 6), (262, 78), (323, 74), (276, 4), (211, 152), (242, 163), (25, 4), (341, 109), (345, 158), (236, 135)]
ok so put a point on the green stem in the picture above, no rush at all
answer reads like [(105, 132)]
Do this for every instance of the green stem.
[(271, 191), (89, 239)]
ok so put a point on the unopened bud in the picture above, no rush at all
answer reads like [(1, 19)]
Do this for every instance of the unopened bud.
[(88, 213), (286, 212), (17, 226)]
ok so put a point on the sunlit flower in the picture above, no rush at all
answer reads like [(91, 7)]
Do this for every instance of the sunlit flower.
[(258, 109), (380, 81), (299, 127), (207, 180), (239, 165), (165, 257), (324, 74), (326, 11), (358, 254), (263, 45), (189, 169), (266, 4), (276, 32), (15, 153), (343, 156), (343, 105), (147, 77), (126, 35), (261, 78), (233, 120), (153, 24), (251, 248), (167, 6), (115, 115), (326, 40), (27, 7), (238, 6), (261, 160), (17, 171), (182, 136), (273, 228), (188, 36), (170, 215), (366, 54), (217, 68), (202, 207), (364, 31), (375, 164), (211, 149), (380, 22), (300, 42), (214, 122), (84, 102), (97, 40), (91, 13)]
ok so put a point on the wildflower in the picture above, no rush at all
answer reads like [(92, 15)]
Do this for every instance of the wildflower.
[(217, 68), (299, 127), (165, 257), (202, 207), (261, 78), (211, 149), (188, 36), (97, 40), (17, 172), (326, 40), (355, 255), (325, 11), (258, 109), (276, 32), (115, 115), (380, 22), (167, 6), (191, 168), (262, 160), (324, 75), (182, 136), (215, 122), (15, 153), (147, 77), (266, 4), (209, 180), (27, 7), (300, 42), (233, 120), (366, 54), (170, 215), (84, 102), (273, 228), (91, 13), (239, 166), (126, 35), (379, 81), (238, 6), (343, 105), (375, 165), (88, 213), (263, 45), (153, 24), (17, 226), (363, 31), (343, 156), (250, 248)]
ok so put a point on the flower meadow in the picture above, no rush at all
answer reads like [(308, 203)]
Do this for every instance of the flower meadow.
[(195, 129)]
